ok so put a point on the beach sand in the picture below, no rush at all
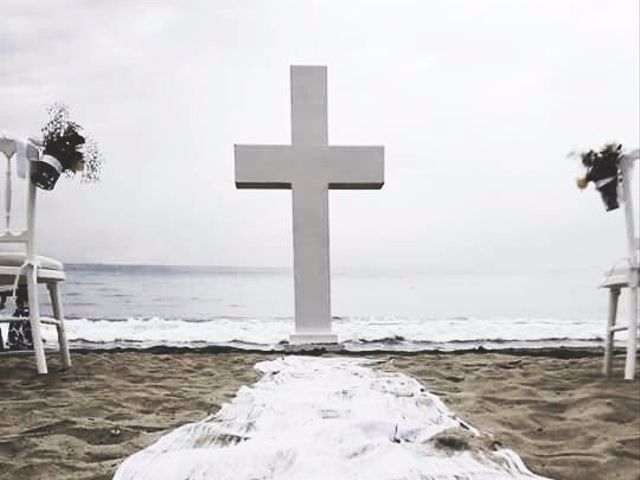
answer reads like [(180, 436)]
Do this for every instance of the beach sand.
[(553, 407)]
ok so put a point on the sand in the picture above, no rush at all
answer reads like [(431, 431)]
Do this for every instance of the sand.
[(553, 407), (562, 417)]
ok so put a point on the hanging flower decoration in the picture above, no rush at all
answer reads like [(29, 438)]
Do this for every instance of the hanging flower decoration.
[(65, 150), (603, 169)]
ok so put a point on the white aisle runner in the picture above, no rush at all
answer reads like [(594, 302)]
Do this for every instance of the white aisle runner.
[(311, 418)]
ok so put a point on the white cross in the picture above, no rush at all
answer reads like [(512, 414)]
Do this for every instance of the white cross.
[(310, 167)]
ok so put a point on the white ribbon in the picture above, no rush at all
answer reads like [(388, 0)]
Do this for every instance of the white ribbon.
[(35, 263), (604, 181), (21, 158), (25, 151), (53, 161)]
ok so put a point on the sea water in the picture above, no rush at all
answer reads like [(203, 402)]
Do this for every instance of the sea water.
[(111, 306)]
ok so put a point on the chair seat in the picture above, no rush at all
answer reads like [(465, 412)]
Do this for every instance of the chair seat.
[(16, 259), (616, 277), (49, 269)]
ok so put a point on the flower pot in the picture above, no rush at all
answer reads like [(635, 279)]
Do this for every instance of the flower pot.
[(609, 193), (45, 172)]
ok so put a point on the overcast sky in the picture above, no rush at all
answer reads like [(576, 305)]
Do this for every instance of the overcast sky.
[(476, 102)]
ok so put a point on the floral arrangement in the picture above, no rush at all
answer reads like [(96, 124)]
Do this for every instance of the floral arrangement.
[(603, 170), (66, 151)]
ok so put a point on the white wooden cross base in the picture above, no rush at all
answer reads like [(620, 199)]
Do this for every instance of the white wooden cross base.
[(310, 167)]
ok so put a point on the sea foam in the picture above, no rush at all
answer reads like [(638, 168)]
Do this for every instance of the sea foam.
[(354, 333)]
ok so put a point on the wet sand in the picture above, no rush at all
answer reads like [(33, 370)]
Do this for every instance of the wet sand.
[(553, 407)]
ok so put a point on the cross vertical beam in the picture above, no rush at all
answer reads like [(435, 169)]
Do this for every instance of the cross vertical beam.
[(310, 201), (308, 106), (311, 265)]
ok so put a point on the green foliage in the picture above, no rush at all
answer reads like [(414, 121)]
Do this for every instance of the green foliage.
[(58, 123), (93, 161)]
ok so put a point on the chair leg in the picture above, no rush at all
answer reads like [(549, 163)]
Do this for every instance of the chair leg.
[(614, 294), (56, 302), (632, 334), (34, 319)]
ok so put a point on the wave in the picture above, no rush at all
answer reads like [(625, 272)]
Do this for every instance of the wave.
[(355, 333), (127, 269), (398, 339)]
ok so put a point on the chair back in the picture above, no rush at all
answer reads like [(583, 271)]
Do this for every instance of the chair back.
[(633, 238), (18, 154)]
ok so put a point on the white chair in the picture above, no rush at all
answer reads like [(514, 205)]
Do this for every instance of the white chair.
[(624, 277), (615, 280), (27, 267)]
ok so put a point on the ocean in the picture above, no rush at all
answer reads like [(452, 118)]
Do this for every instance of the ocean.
[(110, 306)]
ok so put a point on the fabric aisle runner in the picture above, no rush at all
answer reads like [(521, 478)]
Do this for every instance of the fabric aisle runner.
[(327, 418)]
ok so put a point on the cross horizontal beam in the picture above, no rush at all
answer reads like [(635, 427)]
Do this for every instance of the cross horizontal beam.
[(281, 166)]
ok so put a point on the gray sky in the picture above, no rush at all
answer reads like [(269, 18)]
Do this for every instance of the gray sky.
[(476, 102)]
